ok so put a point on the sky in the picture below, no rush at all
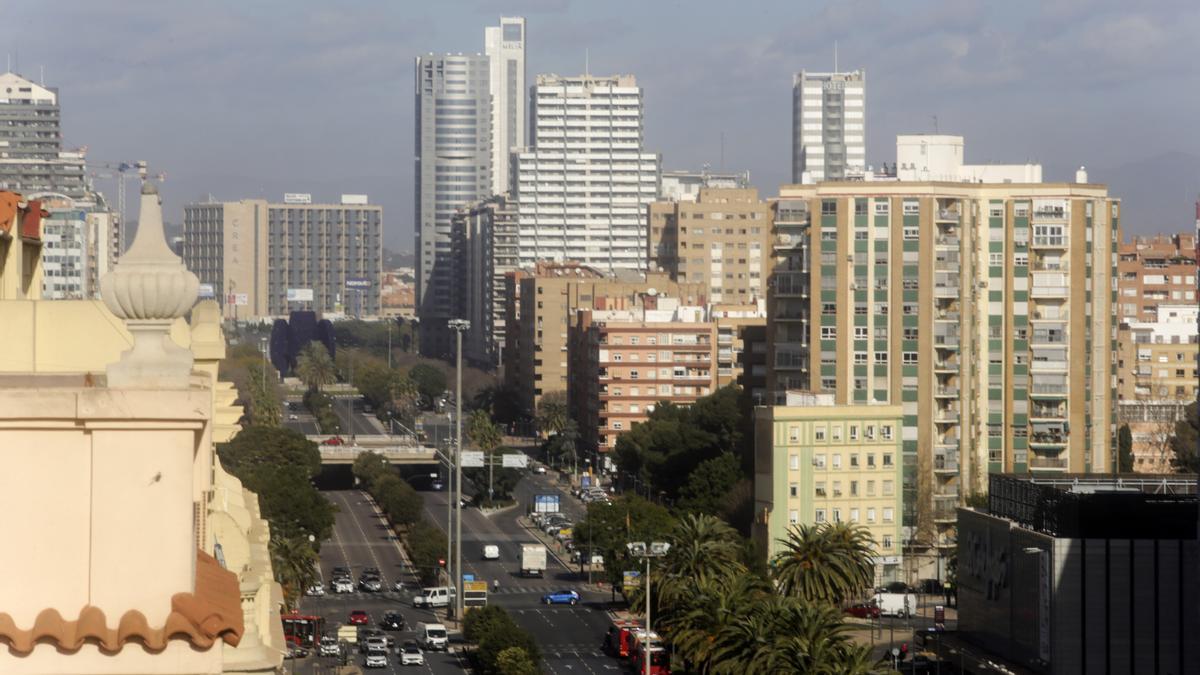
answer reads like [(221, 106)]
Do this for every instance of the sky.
[(254, 98)]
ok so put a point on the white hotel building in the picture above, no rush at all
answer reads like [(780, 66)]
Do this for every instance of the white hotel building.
[(582, 189), (829, 126)]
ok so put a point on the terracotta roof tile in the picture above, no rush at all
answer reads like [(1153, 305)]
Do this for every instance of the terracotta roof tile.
[(213, 612)]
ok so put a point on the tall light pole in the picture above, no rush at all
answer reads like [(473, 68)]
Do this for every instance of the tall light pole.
[(656, 549), (458, 326)]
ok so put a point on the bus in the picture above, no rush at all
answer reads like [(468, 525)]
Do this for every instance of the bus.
[(303, 629)]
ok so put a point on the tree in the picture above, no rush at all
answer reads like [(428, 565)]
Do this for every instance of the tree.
[(825, 563), (278, 464), (485, 434), (515, 661), (708, 487), (504, 636), (608, 527), (552, 413), (295, 566), (430, 381), (368, 466), (501, 401), (426, 544), (1185, 444), (315, 367), (1124, 450)]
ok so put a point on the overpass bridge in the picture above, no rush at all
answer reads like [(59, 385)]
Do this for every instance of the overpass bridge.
[(396, 449)]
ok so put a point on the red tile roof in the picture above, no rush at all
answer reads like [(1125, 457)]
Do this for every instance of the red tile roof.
[(213, 612)]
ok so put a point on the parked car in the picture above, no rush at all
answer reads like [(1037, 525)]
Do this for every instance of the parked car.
[(359, 618), (293, 417), (864, 610), (340, 572), (392, 621), (566, 597), (410, 654)]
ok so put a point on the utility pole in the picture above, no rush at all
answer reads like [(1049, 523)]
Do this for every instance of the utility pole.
[(389, 344), (458, 326)]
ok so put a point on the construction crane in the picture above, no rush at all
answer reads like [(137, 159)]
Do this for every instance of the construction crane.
[(121, 171)]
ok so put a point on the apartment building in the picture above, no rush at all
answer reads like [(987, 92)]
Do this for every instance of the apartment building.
[(1158, 270), (582, 189), (1156, 380), (31, 130), (261, 259), (828, 125), (816, 461), (626, 360), (684, 186), (735, 324), (721, 239), (543, 300), (987, 310), (76, 249), (485, 236)]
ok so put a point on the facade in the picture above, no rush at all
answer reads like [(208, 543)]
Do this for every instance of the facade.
[(1159, 270), (543, 301), (1082, 574), (820, 462), (397, 293), (453, 169), (721, 239), (828, 125), (581, 191), (625, 360), (76, 236), (684, 186), (735, 324), (118, 576), (1156, 380), (505, 49), (939, 157), (262, 259), (986, 309), (33, 160), (485, 236)]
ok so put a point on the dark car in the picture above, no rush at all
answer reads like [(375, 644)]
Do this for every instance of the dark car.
[(863, 610), (392, 621), (931, 586), (896, 587)]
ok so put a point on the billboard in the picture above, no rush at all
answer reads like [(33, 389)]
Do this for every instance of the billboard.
[(297, 198), (472, 459), (207, 291), (354, 200), (358, 282), (630, 579), (547, 503), (514, 461), (299, 295), (237, 299)]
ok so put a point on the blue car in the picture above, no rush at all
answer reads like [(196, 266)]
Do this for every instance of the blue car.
[(561, 598)]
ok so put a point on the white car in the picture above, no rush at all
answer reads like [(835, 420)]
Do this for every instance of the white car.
[(316, 590), (377, 659), (410, 654), (343, 586), (541, 470), (491, 552), (329, 646)]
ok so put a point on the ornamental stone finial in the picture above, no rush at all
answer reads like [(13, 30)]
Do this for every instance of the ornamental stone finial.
[(149, 288)]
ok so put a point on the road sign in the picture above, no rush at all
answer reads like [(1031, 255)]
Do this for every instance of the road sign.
[(514, 461), (547, 503), (467, 576), (472, 459), (631, 579), (474, 593)]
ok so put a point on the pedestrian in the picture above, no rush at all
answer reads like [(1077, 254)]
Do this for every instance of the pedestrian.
[(495, 585)]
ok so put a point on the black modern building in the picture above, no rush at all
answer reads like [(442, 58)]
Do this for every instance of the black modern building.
[(1084, 574)]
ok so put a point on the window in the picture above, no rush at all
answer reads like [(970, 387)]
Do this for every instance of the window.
[(910, 358), (886, 431), (887, 541), (911, 207), (819, 516), (854, 432), (881, 358), (860, 357), (794, 434), (860, 333), (870, 459), (633, 374), (819, 488), (819, 461), (869, 432), (794, 462), (793, 516), (828, 309), (888, 488), (828, 207), (828, 332), (854, 459), (819, 433), (853, 488), (887, 459), (837, 433), (837, 515), (616, 425), (888, 515), (854, 515), (794, 490), (870, 515)]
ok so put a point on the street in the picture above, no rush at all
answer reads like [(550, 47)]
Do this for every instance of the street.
[(569, 637)]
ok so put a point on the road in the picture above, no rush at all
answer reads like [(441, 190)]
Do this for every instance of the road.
[(361, 539), (349, 411)]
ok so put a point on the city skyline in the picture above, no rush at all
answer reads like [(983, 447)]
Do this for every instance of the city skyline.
[(1013, 80)]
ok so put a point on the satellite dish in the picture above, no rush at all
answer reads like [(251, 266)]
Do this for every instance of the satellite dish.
[(651, 291)]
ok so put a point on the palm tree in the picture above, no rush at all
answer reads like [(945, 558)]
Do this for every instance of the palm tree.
[(704, 611), (484, 433), (552, 413), (295, 565), (825, 563), (315, 367), (703, 547)]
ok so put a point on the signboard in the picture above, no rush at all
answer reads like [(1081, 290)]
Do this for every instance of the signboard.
[(514, 461), (299, 295), (474, 593), (356, 200), (358, 282), (631, 579), (472, 459), (585, 480), (237, 299), (472, 586), (939, 617), (547, 503), (207, 291), (467, 576), (297, 198)]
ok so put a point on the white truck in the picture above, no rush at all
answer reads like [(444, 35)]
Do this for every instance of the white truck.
[(896, 604), (533, 560)]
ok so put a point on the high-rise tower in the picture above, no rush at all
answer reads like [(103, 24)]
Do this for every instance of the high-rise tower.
[(828, 125), (505, 49)]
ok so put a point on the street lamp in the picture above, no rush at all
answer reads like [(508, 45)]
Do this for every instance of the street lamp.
[(656, 549), (458, 326)]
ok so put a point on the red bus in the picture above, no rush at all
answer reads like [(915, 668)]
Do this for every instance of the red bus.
[(303, 629)]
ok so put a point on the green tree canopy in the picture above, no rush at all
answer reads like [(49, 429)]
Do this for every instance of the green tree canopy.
[(295, 565), (826, 563), (552, 412), (515, 661), (430, 381), (315, 367), (1124, 449), (1185, 444), (608, 527), (485, 434)]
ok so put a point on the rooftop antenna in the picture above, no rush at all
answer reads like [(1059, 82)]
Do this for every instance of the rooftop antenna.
[(42, 69), (586, 64), (835, 55), (935, 126)]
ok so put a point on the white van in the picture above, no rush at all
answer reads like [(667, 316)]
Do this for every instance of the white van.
[(491, 552), (902, 605), (432, 636), (438, 596)]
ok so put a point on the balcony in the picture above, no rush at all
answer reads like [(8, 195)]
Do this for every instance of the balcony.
[(945, 341), (946, 415), (946, 392), (1048, 413), (946, 290), (949, 215), (1049, 463), (1048, 390), (944, 366), (947, 316), (945, 462), (791, 360), (947, 240), (1048, 292), (1050, 214), (1049, 241), (1047, 440)]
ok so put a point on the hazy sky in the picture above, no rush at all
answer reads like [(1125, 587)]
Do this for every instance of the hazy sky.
[(249, 98)]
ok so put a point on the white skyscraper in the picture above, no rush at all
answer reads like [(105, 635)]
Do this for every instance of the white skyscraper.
[(582, 189), (505, 48), (828, 125)]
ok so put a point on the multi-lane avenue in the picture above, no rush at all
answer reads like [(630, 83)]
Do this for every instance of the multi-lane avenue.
[(569, 637)]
